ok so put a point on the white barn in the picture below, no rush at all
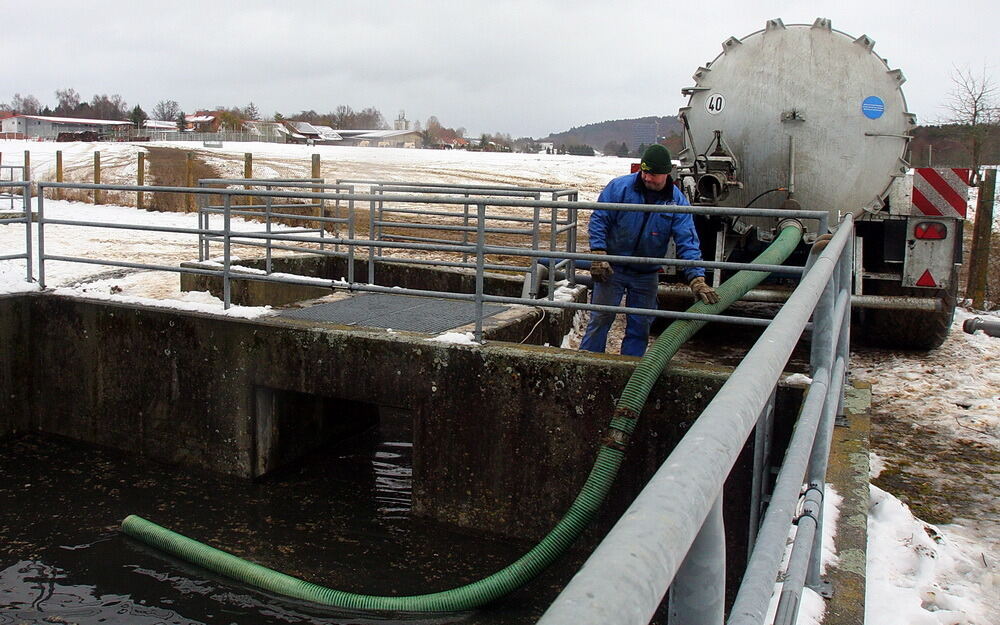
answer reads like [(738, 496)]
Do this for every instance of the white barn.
[(49, 127)]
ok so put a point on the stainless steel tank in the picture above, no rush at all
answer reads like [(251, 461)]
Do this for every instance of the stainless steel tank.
[(813, 90)]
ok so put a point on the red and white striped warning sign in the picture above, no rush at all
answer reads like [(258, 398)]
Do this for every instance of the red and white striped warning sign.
[(941, 192)]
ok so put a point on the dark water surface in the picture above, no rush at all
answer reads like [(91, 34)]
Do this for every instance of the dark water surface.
[(341, 518)]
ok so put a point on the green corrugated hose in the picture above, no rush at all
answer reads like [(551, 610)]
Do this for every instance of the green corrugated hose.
[(581, 512)]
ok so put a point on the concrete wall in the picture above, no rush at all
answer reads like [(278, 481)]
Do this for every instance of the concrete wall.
[(15, 376), (504, 434)]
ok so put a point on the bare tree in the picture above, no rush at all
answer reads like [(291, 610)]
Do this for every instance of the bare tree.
[(26, 105), (67, 102), (250, 112), (166, 110), (371, 117), (973, 103), (343, 117), (109, 107)]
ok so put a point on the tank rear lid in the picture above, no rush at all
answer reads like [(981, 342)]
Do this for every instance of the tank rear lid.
[(821, 89)]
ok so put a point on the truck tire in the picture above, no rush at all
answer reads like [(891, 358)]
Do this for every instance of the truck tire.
[(910, 329)]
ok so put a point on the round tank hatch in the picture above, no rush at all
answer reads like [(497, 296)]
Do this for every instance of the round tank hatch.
[(827, 93)]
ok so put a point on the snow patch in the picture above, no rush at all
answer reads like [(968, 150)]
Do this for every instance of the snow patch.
[(918, 576), (455, 338), (798, 379)]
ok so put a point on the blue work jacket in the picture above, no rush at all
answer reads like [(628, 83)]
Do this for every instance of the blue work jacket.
[(640, 233)]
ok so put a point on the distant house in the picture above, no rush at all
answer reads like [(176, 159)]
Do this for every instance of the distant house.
[(302, 132), (328, 135), (381, 138), (50, 127), (266, 130), (158, 124), (204, 121)]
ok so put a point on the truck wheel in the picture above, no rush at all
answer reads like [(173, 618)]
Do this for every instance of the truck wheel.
[(910, 329)]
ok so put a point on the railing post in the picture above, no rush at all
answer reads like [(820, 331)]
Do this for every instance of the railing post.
[(226, 287), (535, 225), (248, 174), (25, 175), (698, 593), (480, 266), (572, 216), (59, 173), (97, 176), (350, 244), (267, 212), (371, 237), (319, 209), (203, 225), (140, 180), (41, 235), (27, 227), (465, 233), (189, 180), (553, 235)]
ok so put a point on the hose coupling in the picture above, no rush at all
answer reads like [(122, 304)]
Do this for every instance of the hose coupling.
[(790, 221), (615, 439), (620, 428)]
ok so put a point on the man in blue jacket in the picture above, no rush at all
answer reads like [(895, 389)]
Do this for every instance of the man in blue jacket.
[(639, 233)]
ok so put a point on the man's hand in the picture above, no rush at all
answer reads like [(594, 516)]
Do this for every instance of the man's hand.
[(600, 270), (704, 292)]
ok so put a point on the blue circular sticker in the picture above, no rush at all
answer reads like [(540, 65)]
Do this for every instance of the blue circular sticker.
[(873, 107)]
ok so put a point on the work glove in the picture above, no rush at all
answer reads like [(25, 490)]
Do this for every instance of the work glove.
[(704, 292), (600, 270)]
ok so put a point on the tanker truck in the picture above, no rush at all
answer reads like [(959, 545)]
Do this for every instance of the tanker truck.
[(805, 116)]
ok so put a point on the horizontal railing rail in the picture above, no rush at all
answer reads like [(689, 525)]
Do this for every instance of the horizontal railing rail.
[(672, 533), (474, 252)]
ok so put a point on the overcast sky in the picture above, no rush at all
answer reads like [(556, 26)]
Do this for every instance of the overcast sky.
[(524, 68)]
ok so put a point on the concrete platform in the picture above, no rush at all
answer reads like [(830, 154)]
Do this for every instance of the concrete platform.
[(397, 312), (848, 474)]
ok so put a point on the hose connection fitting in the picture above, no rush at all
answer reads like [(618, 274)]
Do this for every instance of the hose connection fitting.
[(790, 221), (620, 429)]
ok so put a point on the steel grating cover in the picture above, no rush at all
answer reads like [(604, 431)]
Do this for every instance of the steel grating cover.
[(399, 312)]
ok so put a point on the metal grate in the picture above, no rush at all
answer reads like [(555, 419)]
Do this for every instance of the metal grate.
[(399, 312)]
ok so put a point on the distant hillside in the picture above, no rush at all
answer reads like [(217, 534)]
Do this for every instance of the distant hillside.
[(951, 146), (619, 131)]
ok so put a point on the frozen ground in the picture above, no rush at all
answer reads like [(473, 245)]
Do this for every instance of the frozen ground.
[(119, 163), (936, 422)]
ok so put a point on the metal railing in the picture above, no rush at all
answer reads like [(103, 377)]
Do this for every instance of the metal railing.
[(483, 252), (558, 223), (7, 194), (672, 535), (25, 218), (267, 210)]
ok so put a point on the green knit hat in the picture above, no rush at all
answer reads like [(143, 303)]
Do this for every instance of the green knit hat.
[(656, 160)]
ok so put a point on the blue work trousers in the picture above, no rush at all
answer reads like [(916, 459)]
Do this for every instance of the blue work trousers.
[(639, 290)]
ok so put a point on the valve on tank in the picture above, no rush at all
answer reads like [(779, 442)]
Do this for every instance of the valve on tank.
[(712, 175)]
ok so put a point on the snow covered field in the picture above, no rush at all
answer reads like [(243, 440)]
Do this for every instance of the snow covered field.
[(917, 573)]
